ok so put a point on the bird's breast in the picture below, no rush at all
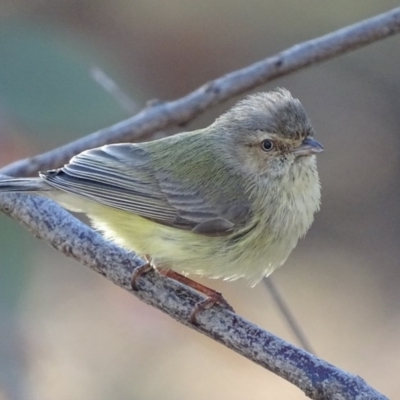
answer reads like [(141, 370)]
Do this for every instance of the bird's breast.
[(285, 207)]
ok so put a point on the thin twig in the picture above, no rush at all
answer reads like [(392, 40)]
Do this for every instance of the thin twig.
[(162, 115), (110, 86), (288, 315), (315, 377)]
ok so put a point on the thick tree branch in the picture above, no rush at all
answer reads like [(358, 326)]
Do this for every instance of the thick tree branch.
[(315, 377), (178, 112)]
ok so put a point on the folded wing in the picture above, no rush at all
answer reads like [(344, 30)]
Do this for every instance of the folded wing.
[(122, 176)]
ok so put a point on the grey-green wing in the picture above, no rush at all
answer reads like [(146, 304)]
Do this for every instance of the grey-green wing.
[(122, 176)]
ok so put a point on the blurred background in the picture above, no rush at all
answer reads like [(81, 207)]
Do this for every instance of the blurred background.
[(67, 333)]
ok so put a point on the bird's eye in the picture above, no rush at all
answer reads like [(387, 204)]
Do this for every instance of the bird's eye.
[(267, 145)]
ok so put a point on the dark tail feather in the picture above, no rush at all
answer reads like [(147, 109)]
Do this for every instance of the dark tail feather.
[(24, 185)]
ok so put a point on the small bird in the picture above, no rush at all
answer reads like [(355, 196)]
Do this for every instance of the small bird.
[(228, 201)]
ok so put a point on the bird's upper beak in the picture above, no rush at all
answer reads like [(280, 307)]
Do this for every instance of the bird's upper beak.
[(308, 147)]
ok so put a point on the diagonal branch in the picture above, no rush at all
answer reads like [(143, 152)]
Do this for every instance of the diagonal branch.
[(315, 377), (162, 115)]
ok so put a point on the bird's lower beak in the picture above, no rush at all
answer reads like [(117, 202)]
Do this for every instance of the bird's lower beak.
[(308, 147)]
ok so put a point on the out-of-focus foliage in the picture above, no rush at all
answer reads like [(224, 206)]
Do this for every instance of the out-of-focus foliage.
[(66, 333)]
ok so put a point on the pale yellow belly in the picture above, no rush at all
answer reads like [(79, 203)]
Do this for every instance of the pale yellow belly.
[(183, 251)]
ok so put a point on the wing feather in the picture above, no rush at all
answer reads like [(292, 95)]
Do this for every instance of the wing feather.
[(121, 176)]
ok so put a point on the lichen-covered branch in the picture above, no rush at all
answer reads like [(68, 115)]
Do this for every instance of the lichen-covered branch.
[(315, 377), (162, 115)]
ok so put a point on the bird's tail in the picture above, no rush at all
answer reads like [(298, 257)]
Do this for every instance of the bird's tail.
[(27, 185), (38, 186)]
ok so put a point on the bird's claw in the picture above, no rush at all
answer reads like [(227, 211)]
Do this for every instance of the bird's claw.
[(138, 272), (207, 303)]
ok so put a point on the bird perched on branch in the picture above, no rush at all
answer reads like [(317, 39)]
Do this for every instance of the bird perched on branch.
[(228, 201)]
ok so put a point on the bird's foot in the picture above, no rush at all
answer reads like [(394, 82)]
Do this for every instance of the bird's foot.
[(213, 297), (139, 271), (208, 303)]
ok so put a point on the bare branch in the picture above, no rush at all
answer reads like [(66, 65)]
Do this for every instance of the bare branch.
[(288, 315), (315, 377), (111, 87), (178, 112)]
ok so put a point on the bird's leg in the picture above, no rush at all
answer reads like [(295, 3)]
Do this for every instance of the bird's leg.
[(139, 271), (213, 297)]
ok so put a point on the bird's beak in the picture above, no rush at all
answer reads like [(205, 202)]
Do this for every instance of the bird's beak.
[(308, 147)]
